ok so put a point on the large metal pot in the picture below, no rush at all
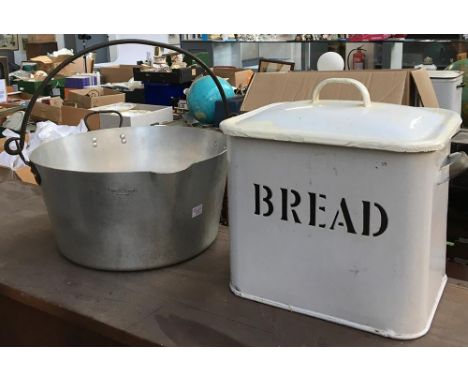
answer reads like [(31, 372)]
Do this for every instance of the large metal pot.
[(133, 198)]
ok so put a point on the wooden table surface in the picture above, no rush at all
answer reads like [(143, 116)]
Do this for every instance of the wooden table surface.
[(189, 304)]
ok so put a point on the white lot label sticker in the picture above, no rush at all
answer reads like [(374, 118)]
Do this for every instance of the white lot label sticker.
[(197, 210)]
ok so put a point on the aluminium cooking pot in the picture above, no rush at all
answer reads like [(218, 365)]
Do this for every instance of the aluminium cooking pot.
[(130, 198)]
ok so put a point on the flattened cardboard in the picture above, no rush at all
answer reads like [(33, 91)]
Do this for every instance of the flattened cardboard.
[(81, 98), (425, 88), (25, 175), (388, 86)]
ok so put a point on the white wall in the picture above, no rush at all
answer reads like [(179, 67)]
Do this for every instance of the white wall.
[(20, 54), (130, 53), (60, 38)]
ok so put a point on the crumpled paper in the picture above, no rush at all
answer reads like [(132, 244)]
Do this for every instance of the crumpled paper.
[(45, 132), (61, 52)]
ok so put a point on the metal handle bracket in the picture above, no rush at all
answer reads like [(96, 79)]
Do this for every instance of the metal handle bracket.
[(85, 119)]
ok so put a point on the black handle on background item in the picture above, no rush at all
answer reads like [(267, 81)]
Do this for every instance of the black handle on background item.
[(85, 119), (19, 142)]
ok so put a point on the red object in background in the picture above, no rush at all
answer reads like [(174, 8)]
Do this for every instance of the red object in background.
[(368, 37), (359, 59)]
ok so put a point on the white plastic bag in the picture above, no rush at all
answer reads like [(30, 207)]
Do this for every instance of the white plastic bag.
[(48, 131), (45, 132)]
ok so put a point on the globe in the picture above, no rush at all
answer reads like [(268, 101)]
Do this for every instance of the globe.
[(203, 94), (330, 61)]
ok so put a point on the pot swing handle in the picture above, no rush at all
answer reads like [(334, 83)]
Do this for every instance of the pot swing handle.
[(18, 147), (85, 119), (343, 81)]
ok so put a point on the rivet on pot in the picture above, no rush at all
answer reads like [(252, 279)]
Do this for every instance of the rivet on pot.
[(122, 136), (124, 141)]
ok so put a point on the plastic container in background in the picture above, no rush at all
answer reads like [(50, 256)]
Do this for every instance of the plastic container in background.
[(462, 65), (448, 86)]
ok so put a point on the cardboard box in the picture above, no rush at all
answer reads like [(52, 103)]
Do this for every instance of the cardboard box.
[(77, 66), (118, 73), (72, 116), (404, 87), (41, 38), (237, 77), (158, 115), (94, 97), (63, 114), (43, 63), (47, 63), (51, 111)]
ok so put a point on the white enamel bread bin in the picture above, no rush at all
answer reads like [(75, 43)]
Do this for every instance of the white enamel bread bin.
[(338, 209)]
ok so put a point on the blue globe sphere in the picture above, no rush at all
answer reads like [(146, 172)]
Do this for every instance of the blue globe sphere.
[(203, 94)]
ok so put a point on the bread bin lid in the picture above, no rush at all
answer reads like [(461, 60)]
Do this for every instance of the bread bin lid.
[(359, 124)]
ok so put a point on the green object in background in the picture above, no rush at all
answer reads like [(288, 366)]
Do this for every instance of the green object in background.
[(28, 86), (462, 65), (29, 66), (203, 56), (31, 86)]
